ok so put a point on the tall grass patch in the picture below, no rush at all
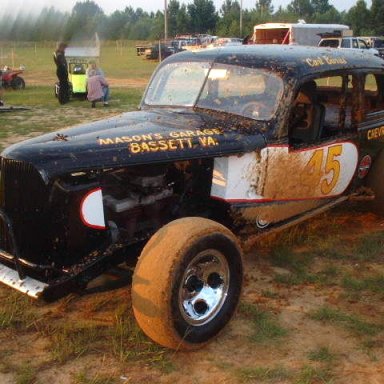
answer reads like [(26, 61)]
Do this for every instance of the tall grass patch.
[(130, 344), (265, 327), (16, 312), (349, 322)]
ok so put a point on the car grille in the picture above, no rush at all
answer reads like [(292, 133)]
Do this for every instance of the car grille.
[(23, 197)]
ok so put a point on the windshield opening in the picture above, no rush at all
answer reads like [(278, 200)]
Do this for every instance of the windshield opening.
[(249, 92), (245, 91), (177, 84)]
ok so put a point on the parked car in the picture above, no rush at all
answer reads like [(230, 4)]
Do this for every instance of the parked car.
[(229, 144), (152, 53), (346, 42), (374, 42), (184, 43), (224, 41)]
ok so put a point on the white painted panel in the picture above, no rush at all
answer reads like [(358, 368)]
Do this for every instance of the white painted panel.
[(279, 173)]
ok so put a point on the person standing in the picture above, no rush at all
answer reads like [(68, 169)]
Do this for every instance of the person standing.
[(1, 88), (98, 88), (62, 73)]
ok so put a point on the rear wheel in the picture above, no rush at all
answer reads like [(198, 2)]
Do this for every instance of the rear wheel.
[(375, 182), (18, 83), (187, 283)]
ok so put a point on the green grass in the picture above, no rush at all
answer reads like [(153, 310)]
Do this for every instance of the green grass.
[(270, 294), (306, 375), (118, 62), (43, 96), (44, 113), (265, 327), (370, 247), (16, 312), (124, 63), (298, 263), (327, 276), (72, 341), (26, 374), (367, 247), (129, 73), (316, 230), (263, 374), (349, 322), (286, 257), (130, 344), (322, 354), (312, 375), (86, 378), (373, 284)]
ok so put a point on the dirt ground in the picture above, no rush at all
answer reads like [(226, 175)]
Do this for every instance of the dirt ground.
[(110, 349), (49, 78), (234, 357)]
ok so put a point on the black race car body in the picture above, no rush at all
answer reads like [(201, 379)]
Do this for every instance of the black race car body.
[(231, 134)]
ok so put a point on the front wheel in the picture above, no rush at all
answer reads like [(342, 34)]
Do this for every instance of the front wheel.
[(18, 83), (187, 283)]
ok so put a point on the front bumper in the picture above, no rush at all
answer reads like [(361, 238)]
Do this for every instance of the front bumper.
[(27, 285)]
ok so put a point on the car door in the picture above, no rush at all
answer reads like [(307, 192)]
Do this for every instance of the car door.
[(316, 165), (320, 159), (371, 127)]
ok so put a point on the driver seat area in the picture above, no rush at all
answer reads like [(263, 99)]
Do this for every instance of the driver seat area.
[(307, 116)]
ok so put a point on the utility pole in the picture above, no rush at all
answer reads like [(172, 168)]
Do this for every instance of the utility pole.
[(165, 20), (241, 18)]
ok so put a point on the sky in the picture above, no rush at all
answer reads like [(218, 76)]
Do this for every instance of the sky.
[(110, 6)]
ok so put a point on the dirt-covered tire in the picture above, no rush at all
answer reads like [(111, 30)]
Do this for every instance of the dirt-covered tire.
[(18, 83), (375, 182), (187, 283)]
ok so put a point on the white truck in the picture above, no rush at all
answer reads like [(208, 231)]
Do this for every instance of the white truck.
[(296, 33)]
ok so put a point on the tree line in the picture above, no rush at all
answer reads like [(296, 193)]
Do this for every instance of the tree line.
[(199, 16)]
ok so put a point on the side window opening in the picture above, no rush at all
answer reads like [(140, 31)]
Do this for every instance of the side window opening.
[(338, 94), (307, 116), (373, 93), (345, 43), (330, 109), (362, 44)]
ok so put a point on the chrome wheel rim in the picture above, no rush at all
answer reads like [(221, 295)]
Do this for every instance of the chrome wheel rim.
[(204, 287)]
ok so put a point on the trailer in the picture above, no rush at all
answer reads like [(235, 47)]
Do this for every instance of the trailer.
[(295, 33)]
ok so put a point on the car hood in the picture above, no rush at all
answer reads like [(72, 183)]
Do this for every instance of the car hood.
[(142, 137)]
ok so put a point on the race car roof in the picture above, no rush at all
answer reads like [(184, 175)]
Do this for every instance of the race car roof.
[(299, 60)]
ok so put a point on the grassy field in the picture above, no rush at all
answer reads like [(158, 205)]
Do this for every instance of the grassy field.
[(127, 73), (117, 60), (312, 307)]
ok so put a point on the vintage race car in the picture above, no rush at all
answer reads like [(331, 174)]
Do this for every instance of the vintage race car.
[(229, 144)]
